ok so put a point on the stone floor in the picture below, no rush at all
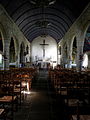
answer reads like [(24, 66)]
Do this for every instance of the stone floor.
[(41, 103)]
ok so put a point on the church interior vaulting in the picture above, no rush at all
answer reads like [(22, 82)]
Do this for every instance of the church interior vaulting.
[(44, 60)]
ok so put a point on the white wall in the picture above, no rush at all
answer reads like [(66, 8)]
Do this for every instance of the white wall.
[(50, 50)]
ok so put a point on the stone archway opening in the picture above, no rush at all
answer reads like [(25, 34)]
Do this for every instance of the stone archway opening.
[(74, 52), (12, 58), (22, 54)]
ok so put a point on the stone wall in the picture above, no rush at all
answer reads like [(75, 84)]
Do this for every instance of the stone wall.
[(78, 30), (10, 30)]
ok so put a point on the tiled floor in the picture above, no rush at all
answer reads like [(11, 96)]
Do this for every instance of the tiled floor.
[(41, 104)]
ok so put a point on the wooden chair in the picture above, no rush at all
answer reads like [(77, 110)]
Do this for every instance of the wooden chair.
[(2, 114), (7, 95)]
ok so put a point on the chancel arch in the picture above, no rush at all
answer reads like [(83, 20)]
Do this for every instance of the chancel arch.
[(44, 50)]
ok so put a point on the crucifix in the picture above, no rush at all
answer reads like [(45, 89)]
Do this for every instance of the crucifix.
[(43, 44)]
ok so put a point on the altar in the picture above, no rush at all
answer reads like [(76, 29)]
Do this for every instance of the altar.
[(43, 65)]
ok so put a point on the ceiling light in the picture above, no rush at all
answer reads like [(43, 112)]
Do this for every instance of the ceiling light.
[(42, 3)]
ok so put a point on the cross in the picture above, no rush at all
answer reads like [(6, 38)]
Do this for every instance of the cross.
[(43, 44)]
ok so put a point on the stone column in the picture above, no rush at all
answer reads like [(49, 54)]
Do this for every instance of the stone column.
[(17, 55), (58, 54), (80, 43), (63, 56), (17, 59), (24, 51), (6, 54), (69, 56)]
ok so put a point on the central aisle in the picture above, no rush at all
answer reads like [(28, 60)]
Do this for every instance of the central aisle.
[(40, 104)]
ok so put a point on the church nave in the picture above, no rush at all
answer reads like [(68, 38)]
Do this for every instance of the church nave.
[(44, 60)]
